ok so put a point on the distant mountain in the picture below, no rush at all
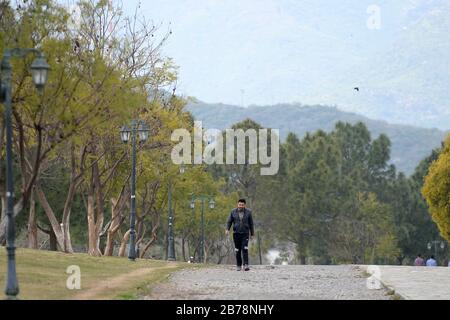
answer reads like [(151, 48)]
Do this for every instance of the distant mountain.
[(314, 52), (409, 81), (409, 144)]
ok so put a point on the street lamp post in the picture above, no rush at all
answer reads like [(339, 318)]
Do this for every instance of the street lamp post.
[(203, 233), (212, 204), (259, 244), (435, 243), (171, 239), (39, 70), (137, 126)]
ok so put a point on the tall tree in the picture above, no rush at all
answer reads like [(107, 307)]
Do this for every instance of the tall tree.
[(436, 190)]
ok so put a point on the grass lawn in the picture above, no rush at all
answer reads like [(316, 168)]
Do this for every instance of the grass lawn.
[(42, 275)]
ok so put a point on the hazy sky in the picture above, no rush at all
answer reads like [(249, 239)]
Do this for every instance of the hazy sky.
[(264, 52), (225, 47)]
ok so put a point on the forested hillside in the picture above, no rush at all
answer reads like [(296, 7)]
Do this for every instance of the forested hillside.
[(409, 144)]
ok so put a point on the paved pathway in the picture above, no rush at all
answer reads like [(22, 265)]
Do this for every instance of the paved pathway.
[(417, 283), (269, 283)]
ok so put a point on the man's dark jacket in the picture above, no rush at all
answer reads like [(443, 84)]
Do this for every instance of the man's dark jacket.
[(247, 222)]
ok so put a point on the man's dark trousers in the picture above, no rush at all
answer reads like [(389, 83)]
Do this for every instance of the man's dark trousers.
[(241, 247)]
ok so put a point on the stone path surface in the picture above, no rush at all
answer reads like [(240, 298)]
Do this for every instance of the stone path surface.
[(269, 283), (417, 283)]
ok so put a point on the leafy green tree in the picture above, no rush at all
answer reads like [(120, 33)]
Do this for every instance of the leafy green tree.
[(436, 190), (365, 234), (104, 72), (325, 177)]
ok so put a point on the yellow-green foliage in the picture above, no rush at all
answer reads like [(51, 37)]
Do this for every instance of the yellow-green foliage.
[(436, 190), (100, 79)]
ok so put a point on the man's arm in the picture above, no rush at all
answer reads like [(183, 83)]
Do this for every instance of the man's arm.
[(250, 223), (229, 221)]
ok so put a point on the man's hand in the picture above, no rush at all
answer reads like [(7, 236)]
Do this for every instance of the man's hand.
[(227, 232)]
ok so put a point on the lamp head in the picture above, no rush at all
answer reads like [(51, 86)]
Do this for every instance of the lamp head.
[(212, 204), (39, 72), (125, 134), (182, 168), (143, 132)]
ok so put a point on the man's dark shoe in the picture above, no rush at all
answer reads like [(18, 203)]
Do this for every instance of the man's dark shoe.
[(246, 268)]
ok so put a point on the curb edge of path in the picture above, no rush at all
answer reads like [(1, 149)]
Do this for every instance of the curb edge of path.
[(388, 286)]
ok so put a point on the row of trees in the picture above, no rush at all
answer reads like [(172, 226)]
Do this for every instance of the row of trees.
[(338, 200), (72, 171)]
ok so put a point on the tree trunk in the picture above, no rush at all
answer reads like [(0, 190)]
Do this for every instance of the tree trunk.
[(61, 231), (152, 240), (117, 219), (189, 249), (142, 229), (93, 243), (206, 253), (95, 212), (109, 247), (91, 225), (17, 209), (3, 214), (55, 226), (166, 245), (67, 239), (196, 253), (147, 246), (116, 222), (99, 206), (74, 183), (183, 251), (2, 218), (32, 226), (123, 244), (53, 241), (301, 247)]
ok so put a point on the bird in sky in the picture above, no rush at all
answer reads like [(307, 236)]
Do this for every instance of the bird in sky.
[(356, 88)]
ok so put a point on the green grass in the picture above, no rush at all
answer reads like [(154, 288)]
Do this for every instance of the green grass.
[(397, 297), (42, 275), (390, 292)]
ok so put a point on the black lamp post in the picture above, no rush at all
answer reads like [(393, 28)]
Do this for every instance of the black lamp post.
[(435, 243), (258, 239), (212, 205), (137, 126), (171, 239), (39, 71)]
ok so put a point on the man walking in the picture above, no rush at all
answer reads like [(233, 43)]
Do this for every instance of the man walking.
[(242, 220)]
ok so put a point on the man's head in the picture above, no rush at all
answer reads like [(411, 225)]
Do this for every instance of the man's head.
[(419, 255), (241, 204), (432, 257)]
